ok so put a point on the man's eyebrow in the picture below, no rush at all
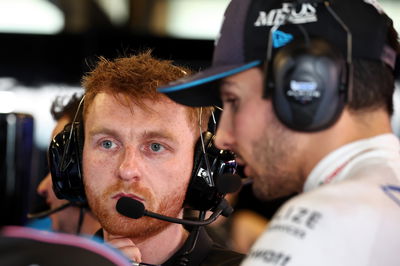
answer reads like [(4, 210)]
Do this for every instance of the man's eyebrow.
[(156, 134), (160, 135), (226, 84), (103, 130)]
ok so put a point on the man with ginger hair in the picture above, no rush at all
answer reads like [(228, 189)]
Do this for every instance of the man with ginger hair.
[(139, 144)]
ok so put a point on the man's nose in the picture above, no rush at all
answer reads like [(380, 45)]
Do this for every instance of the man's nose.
[(130, 164), (224, 138)]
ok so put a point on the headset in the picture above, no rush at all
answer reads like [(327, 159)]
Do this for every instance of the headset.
[(309, 81), (65, 163), (65, 157), (209, 164)]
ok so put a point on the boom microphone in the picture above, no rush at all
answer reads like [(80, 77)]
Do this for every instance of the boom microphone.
[(135, 209), (130, 208)]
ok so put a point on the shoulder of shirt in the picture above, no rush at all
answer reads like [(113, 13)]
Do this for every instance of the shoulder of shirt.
[(353, 196)]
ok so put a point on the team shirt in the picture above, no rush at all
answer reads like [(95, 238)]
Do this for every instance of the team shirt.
[(349, 213)]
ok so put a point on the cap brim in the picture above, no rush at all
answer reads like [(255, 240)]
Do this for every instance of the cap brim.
[(201, 89)]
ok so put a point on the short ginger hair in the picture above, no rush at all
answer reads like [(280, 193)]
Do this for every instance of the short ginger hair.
[(137, 78)]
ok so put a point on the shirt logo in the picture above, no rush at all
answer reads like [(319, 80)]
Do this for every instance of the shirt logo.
[(288, 13)]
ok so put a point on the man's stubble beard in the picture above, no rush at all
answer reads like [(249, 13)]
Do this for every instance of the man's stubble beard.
[(275, 175), (138, 229)]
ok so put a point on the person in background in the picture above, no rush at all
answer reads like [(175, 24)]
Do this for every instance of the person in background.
[(306, 89), (71, 218)]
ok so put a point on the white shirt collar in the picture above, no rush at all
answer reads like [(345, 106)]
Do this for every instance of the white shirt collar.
[(330, 167)]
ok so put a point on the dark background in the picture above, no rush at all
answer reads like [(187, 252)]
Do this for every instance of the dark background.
[(63, 58)]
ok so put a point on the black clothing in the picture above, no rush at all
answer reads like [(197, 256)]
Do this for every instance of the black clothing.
[(204, 253)]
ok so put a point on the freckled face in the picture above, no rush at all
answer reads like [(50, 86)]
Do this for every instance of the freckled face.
[(133, 152)]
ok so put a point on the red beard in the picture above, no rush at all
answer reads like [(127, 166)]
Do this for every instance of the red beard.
[(103, 206)]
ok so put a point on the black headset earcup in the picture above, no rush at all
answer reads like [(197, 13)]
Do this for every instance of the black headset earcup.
[(309, 85), (396, 70), (202, 193), (65, 157)]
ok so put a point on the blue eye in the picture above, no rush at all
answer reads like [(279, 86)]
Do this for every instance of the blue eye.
[(107, 144), (156, 147)]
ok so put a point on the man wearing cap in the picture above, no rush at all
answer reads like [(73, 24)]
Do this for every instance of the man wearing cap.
[(306, 88)]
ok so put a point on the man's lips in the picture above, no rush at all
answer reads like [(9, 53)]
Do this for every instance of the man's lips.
[(246, 168), (129, 195)]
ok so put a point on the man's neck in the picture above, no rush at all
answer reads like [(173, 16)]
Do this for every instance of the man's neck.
[(349, 128)]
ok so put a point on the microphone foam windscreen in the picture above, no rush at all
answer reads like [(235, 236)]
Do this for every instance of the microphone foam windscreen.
[(130, 208), (229, 183)]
